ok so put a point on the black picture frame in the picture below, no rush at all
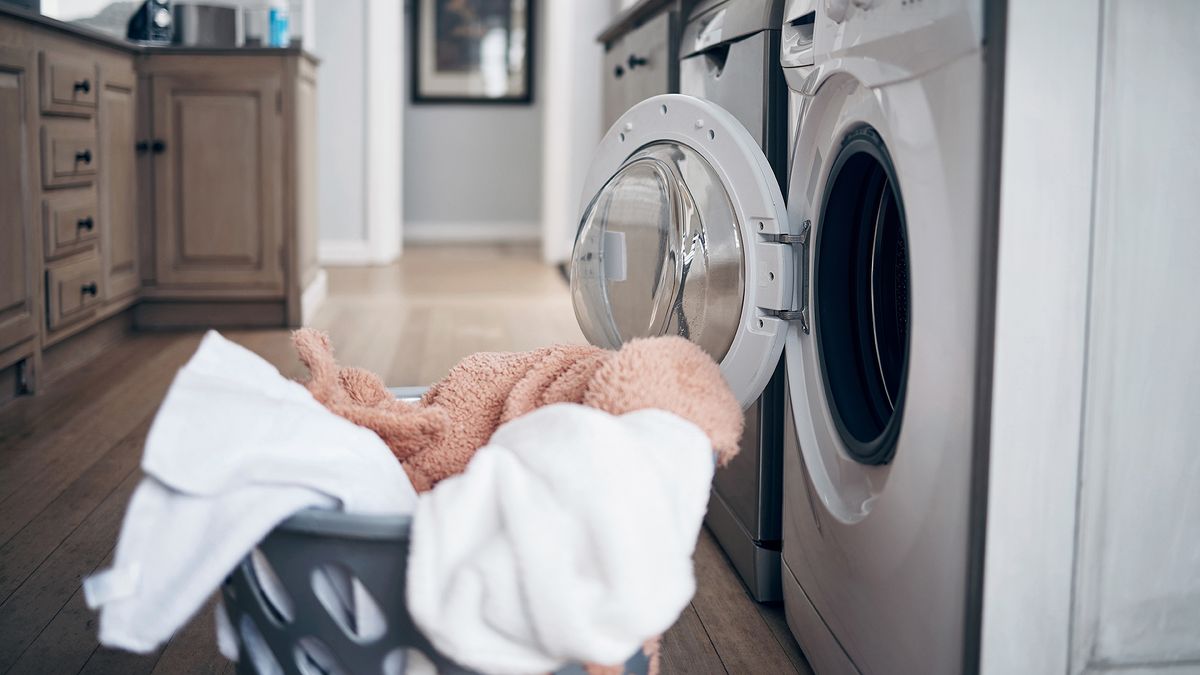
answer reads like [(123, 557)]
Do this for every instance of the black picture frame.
[(429, 84)]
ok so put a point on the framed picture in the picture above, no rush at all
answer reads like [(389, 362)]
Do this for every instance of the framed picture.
[(472, 51)]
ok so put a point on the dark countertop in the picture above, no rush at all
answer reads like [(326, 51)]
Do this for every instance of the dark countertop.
[(108, 40)]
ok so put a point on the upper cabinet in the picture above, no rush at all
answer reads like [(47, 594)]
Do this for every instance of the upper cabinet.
[(18, 315)]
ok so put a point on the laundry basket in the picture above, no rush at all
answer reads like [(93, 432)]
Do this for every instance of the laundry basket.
[(324, 595)]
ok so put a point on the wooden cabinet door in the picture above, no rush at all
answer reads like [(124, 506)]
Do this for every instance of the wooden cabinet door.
[(118, 182), (18, 320), (217, 180)]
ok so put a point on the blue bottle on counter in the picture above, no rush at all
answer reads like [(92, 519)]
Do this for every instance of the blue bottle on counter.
[(278, 34)]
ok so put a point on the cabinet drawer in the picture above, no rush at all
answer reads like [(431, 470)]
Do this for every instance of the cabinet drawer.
[(69, 221), (68, 85), (72, 289), (639, 65), (68, 153)]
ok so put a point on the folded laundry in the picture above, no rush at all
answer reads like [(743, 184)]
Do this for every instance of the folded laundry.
[(234, 449), (437, 436), (569, 537)]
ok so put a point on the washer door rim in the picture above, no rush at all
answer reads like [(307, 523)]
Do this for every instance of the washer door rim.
[(862, 139)]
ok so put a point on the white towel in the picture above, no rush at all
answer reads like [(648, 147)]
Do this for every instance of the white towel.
[(235, 449), (569, 537)]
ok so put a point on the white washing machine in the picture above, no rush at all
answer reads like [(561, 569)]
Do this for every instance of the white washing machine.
[(871, 276), (887, 176)]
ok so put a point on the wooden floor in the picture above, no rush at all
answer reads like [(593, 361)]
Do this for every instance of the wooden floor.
[(69, 459)]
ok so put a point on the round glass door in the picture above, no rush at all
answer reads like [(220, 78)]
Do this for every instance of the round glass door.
[(659, 252)]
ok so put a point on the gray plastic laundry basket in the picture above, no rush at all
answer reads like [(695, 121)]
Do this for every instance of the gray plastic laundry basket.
[(324, 595)]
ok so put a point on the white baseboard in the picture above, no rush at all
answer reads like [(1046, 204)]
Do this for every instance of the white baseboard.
[(339, 253), (312, 297), (500, 231)]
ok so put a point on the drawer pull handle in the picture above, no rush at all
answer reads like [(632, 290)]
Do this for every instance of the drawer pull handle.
[(89, 289), (84, 156), (636, 61), (83, 85), (86, 224)]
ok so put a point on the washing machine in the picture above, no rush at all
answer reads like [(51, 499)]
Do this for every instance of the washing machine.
[(729, 55), (870, 274), (886, 184)]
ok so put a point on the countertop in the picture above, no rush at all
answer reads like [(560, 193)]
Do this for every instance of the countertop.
[(108, 40), (632, 17)]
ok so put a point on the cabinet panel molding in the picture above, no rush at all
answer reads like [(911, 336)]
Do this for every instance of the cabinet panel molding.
[(118, 181), (218, 190), (18, 314)]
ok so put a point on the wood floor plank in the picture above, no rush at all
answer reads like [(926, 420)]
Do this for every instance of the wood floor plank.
[(741, 636), (773, 615), (30, 416), (686, 648), (22, 554), (64, 452), (105, 661), (66, 643), (34, 604), (194, 648)]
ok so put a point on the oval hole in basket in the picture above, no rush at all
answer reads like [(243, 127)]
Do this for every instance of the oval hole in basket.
[(314, 658), (275, 599), (261, 656), (349, 602)]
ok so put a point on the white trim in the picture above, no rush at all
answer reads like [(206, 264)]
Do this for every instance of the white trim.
[(313, 296), (383, 112), (354, 253), (571, 122), (500, 231)]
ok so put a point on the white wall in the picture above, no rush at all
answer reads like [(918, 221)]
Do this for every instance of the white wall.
[(572, 117), (474, 172), (341, 120)]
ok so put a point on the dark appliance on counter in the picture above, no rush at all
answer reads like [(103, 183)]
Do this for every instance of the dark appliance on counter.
[(152, 23)]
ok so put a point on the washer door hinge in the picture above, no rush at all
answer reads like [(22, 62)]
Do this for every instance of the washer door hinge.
[(801, 242)]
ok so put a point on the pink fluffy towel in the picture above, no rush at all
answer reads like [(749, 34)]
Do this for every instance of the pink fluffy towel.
[(437, 436)]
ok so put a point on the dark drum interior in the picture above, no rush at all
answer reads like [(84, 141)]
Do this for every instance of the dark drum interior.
[(861, 293)]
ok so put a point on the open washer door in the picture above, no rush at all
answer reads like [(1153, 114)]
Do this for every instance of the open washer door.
[(682, 232)]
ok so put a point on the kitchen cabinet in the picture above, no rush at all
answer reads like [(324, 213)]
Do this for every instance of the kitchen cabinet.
[(641, 55), (232, 158), (146, 188), (118, 182), (18, 288), (217, 173)]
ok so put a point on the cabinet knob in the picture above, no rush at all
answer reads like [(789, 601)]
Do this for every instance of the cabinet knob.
[(141, 146), (89, 289), (159, 146), (636, 61), (83, 85), (618, 71), (86, 224), (84, 156)]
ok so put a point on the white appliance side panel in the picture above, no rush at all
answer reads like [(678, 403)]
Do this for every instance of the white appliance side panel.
[(1138, 565), (1041, 315), (1093, 558)]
